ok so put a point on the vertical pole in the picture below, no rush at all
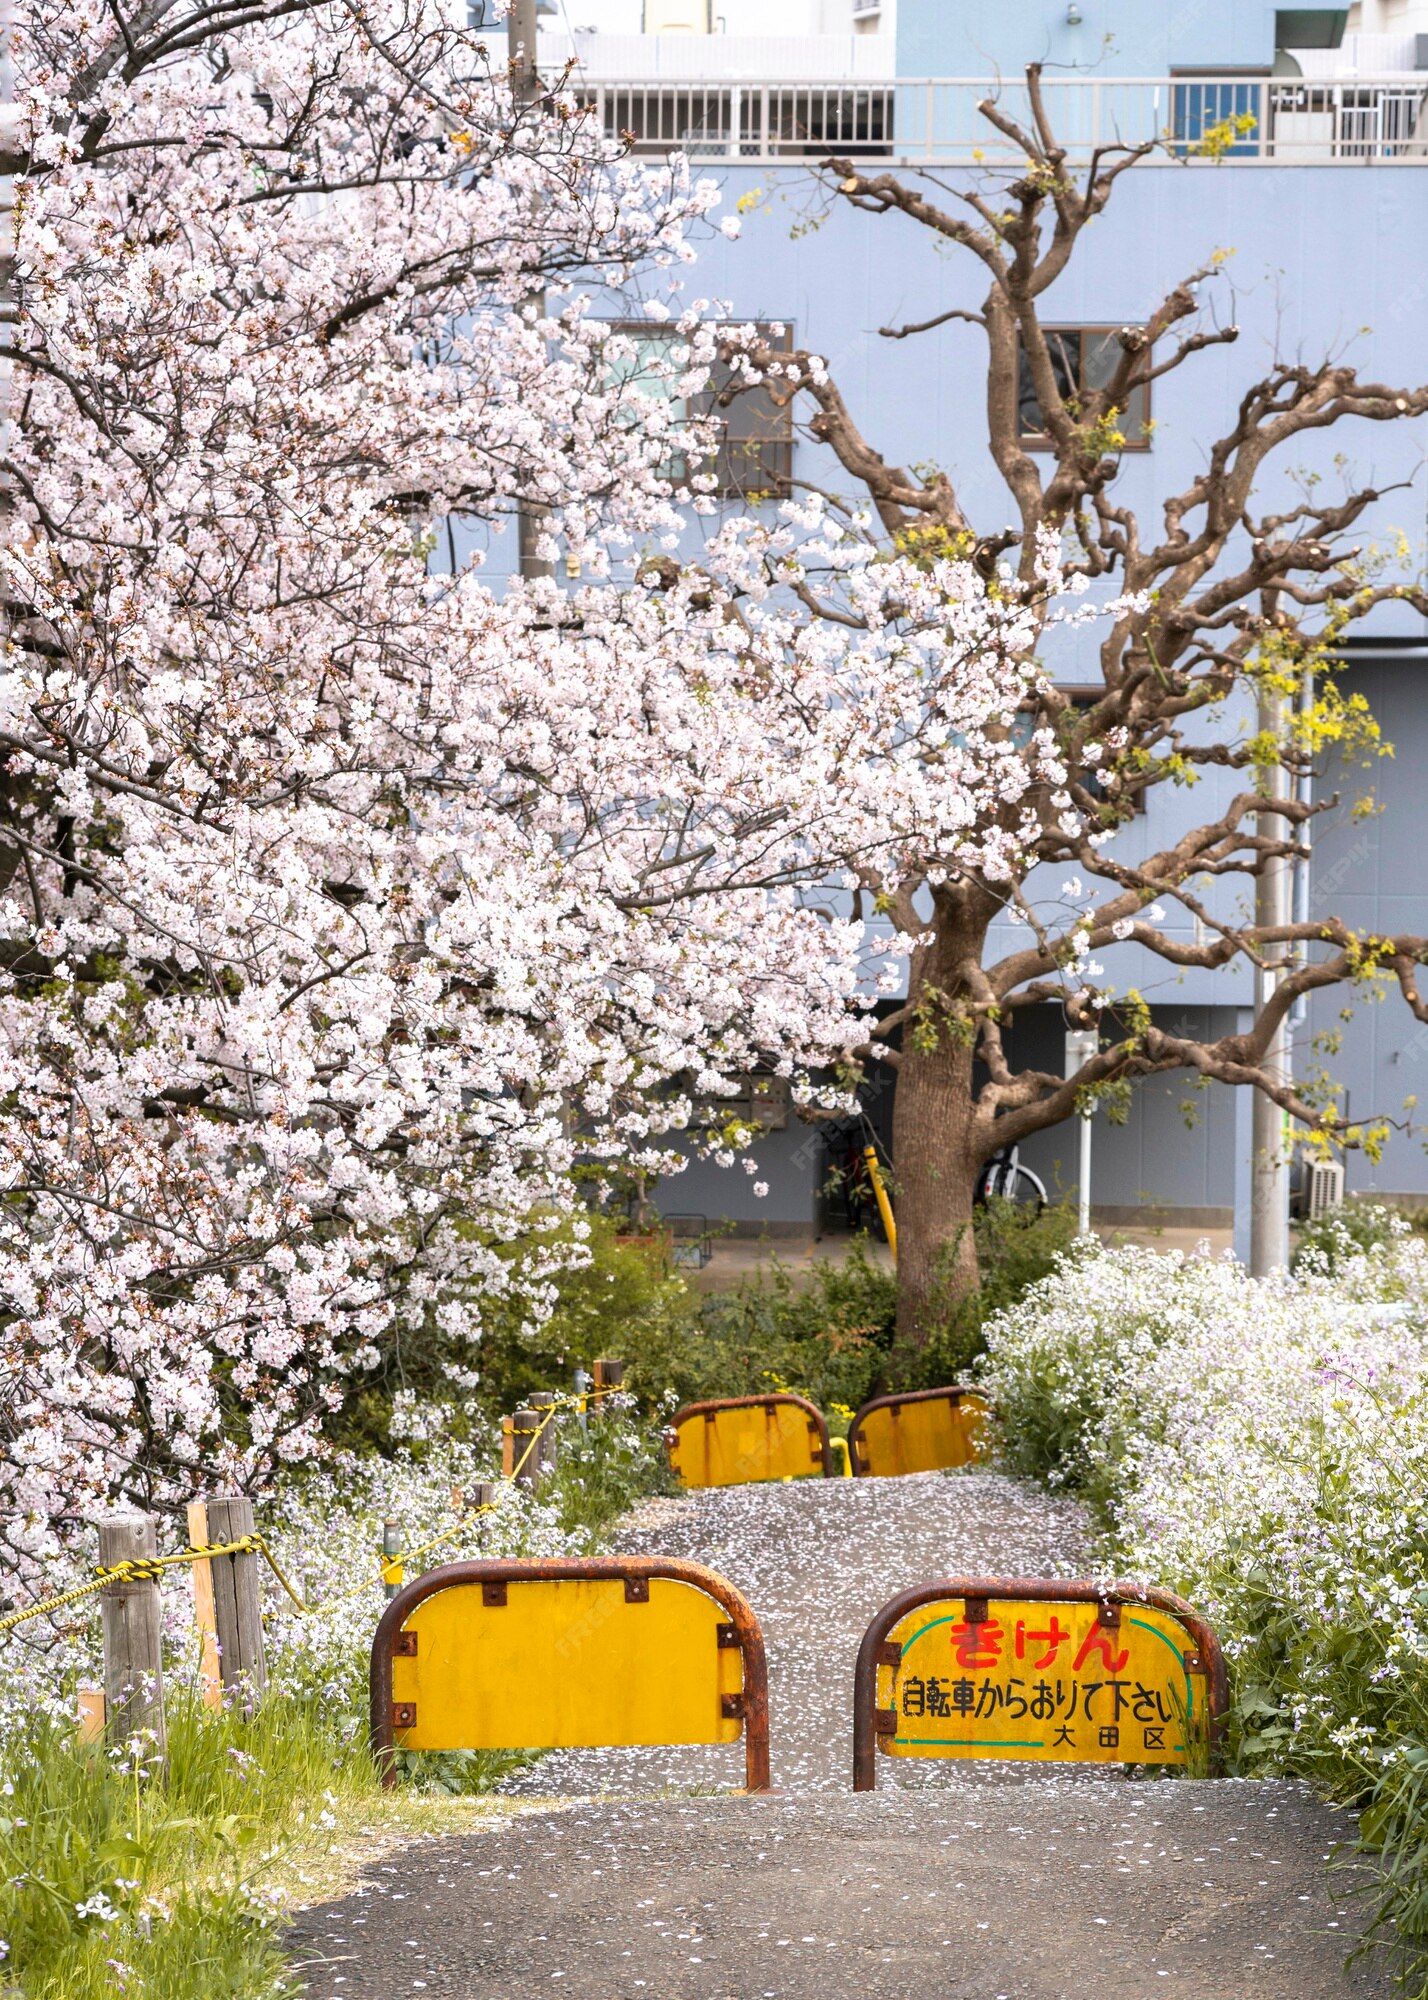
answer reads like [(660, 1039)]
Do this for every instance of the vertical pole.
[(1083, 1179), (584, 1383), (1081, 1045), (608, 1375), (521, 49), (880, 1193), (236, 1602), (1299, 892), (525, 89), (133, 1658), (1269, 1171), (205, 1617), (391, 1557), (91, 1715), (542, 1401), (523, 1430)]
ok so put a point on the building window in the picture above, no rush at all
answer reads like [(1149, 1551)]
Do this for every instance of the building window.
[(754, 455), (1080, 695), (1083, 359)]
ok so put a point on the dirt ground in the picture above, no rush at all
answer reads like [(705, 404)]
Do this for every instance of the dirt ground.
[(642, 1879)]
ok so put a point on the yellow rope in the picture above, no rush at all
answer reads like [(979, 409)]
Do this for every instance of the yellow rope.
[(140, 1569), (148, 1569)]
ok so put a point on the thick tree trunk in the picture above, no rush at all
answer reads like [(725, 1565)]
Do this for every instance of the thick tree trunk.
[(936, 1158)]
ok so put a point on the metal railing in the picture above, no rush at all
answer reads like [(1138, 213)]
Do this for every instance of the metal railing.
[(1238, 120)]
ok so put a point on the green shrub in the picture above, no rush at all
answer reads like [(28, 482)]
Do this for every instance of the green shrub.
[(821, 1330), (115, 1879), (1343, 1233), (1017, 1247), (615, 1288)]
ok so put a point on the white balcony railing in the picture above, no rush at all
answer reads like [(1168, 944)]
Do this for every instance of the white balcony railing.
[(1259, 120)]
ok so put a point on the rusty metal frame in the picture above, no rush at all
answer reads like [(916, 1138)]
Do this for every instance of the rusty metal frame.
[(954, 1393), (816, 1420), (636, 1570), (1041, 1590)]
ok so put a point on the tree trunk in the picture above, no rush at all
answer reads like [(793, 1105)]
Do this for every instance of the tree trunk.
[(936, 1158)]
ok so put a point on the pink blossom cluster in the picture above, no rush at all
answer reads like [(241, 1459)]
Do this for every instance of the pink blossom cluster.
[(345, 898)]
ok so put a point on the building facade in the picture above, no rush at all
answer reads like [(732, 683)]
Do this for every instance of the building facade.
[(1320, 201)]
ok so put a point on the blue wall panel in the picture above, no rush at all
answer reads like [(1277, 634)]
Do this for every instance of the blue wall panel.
[(1113, 37)]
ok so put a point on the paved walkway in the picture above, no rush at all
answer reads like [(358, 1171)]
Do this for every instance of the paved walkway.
[(949, 1883), (735, 1260)]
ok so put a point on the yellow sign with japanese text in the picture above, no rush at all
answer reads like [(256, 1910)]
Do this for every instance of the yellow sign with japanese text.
[(1086, 1683)]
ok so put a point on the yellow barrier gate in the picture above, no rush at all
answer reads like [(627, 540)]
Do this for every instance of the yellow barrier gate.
[(1037, 1670), (740, 1439), (926, 1430), (611, 1650)]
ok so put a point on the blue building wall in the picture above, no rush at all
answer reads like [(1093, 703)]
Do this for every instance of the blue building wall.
[(1324, 260), (1372, 873), (1117, 37)]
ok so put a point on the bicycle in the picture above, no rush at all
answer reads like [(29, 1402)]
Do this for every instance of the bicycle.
[(1004, 1178)]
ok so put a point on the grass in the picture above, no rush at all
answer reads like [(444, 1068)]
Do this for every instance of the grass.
[(173, 1884), (120, 1875)]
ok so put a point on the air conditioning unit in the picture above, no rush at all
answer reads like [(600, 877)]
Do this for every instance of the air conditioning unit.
[(1325, 1188)]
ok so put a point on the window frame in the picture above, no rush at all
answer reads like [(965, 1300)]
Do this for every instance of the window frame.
[(1041, 440), (780, 483), (1085, 694)]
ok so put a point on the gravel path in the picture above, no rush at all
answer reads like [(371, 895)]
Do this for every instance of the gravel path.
[(951, 1882), (815, 1559)]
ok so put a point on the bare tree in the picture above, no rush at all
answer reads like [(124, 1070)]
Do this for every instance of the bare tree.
[(1229, 608)]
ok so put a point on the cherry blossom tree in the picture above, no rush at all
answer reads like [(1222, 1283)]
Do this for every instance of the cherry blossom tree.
[(1218, 658), (345, 896), (293, 998)]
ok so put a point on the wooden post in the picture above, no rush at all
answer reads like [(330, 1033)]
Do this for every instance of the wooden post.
[(204, 1615), (91, 1715), (133, 1658), (543, 1401), (523, 1428), (608, 1375), (483, 1494), (237, 1605)]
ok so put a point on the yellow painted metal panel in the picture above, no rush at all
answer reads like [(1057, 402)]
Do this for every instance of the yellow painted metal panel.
[(922, 1436), (566, 1664), (736, 1447), (1043, 1682)]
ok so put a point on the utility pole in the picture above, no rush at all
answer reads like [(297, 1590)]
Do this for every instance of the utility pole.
[(1081, 1045), (521, 45), (1269, 1171), (525, 89)]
